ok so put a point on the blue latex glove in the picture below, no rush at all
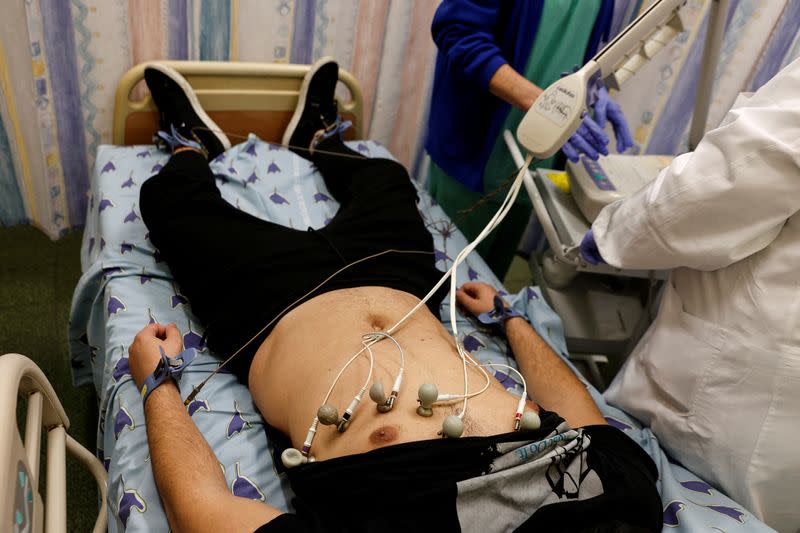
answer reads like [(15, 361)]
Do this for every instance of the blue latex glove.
[(607, 109), (589, 251), (589, 139)]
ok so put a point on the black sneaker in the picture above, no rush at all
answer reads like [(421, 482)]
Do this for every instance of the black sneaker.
[(183, 121), (317, 116)]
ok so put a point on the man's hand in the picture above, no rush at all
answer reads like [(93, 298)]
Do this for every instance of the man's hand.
[(144, 353), (193, 489), (476, 297)]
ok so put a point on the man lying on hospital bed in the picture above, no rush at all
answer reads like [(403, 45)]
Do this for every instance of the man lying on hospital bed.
[(343, 308)]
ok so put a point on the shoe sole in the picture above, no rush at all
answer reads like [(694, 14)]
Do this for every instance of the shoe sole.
[(178, 78), (301, 101)]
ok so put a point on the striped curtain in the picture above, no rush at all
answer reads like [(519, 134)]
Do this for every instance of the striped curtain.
[(60, 61)]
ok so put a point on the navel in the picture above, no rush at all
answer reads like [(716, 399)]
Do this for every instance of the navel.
[(378, 323), (384, 435)]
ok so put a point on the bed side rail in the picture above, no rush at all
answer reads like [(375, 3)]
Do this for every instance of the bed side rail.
[(21, 505)]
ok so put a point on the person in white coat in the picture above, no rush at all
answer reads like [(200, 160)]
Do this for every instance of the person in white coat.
[(717, 374)]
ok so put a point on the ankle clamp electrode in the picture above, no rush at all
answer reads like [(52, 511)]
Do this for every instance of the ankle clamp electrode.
[(337, 128), (498, 315), (168, 368), (170, 141)]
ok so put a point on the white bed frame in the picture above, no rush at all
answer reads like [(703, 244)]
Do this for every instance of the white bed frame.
[(19, 459)]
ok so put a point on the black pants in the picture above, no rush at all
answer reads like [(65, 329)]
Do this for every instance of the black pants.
[(239, 271), (414, 486)]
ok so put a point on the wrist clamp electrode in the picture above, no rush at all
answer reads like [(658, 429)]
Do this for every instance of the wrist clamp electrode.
[(168, 368), (498, 315)]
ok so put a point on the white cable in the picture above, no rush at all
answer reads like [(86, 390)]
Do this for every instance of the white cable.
[(471, 361), (348, 412), (371, 367), (376, 336), (387, 404), (366, 347), (468, 248), (493, 223), (521, 403), (498, 217), (521, 377), (399, 379), (368, 340), (506, 206), (385, 335)]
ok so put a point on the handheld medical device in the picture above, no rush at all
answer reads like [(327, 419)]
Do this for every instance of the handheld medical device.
[(558, 112)]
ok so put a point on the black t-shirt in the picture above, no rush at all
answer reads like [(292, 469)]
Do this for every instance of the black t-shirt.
[(550, 479)]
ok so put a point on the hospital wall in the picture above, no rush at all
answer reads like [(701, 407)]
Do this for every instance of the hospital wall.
[(60, 61)]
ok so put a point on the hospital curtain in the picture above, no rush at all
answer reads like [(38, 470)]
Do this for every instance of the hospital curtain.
[(60, 61)]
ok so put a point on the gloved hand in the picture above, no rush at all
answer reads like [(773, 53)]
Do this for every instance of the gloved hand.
[(589, 139), (607, 109), (589, 251)]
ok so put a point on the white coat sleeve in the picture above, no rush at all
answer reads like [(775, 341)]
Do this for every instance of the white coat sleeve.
[(721, 203)]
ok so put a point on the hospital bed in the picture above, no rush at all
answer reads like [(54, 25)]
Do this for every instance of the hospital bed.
[(126, 285)]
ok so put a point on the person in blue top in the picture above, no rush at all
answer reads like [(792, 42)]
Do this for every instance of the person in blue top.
[(495, 57)]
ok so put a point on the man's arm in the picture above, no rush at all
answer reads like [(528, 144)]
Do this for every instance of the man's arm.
[(189, 478), (550, 381)]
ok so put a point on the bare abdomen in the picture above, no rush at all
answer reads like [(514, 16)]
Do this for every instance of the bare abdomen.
[(295, 367)]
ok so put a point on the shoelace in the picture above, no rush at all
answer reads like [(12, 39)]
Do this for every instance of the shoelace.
[(165, 140)]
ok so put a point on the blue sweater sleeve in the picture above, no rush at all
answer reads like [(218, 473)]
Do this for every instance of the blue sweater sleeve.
[(464, 32)]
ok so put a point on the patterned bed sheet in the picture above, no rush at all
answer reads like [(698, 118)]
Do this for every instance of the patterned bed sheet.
[(126, 285)]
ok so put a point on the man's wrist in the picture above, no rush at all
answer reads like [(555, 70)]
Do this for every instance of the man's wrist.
[(167, 370), (165, 394), (153, 383), (161, 374), (514, 321), (499, 315)]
